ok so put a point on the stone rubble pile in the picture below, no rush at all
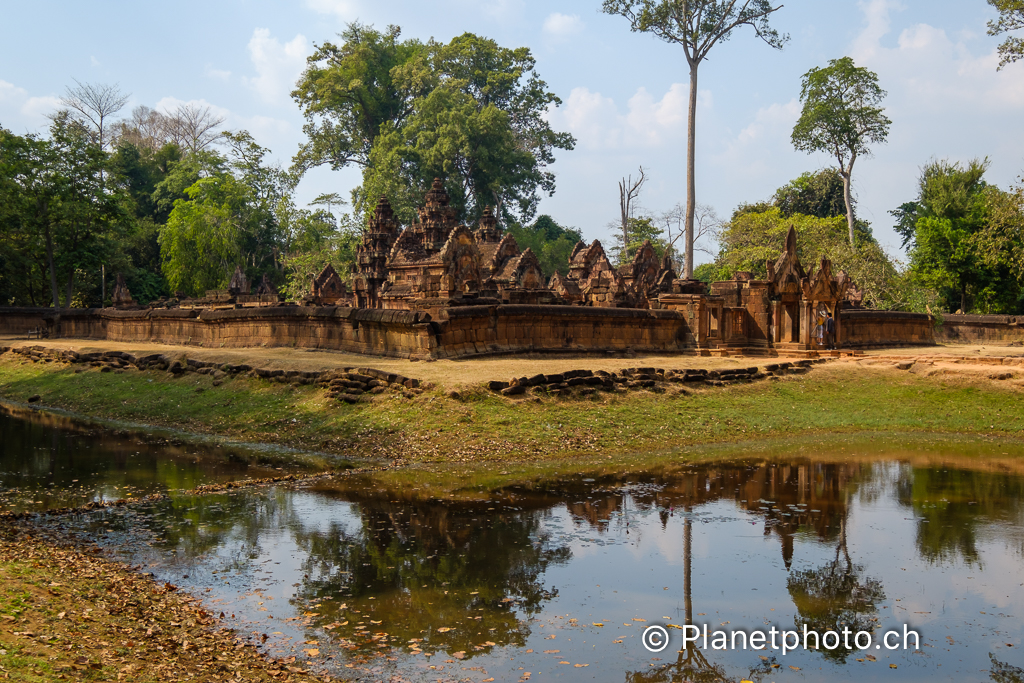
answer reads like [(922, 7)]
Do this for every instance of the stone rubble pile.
[(350, 385), (586, 382)]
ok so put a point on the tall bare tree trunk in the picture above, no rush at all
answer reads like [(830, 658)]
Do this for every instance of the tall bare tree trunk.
[(691, 156), (848, 198), (688, 568), (71, 288), (53, 270)]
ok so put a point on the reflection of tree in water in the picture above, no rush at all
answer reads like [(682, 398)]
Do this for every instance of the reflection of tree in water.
[(71, 462), (691, 664), (835, 597), (423, 566), (193, 526), (950, 504), (1001, 672)]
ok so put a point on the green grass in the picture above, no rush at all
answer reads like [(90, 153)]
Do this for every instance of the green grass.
[(837, 398)]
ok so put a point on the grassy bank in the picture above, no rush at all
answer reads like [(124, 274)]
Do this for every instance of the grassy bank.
[(839, 397)]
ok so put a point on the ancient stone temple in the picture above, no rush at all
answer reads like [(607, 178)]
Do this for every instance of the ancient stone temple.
[(372, 255), (439, 288), (329, 289), (437, 265)]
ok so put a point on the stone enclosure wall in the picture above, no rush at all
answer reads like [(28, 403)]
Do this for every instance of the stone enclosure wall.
[(865, 329), (403, 334), (475, 330), (470, 330), (980, 329)]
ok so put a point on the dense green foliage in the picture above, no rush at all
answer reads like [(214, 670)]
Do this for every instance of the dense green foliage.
[(171, 220), (639, 229), (469, 112), (964, 238), (61, 219), (813, 194), (551, 242), (756, 233)]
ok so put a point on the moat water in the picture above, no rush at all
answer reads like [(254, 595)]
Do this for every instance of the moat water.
[(470, 575)]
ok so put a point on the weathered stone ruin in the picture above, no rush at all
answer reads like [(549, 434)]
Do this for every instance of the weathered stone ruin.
[(441, 289), (437, 265), (239, 283), (121, 297), (329, 289)]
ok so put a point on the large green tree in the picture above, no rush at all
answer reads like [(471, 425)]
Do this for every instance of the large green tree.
[(349, 91), (751, 239), (841, 116), (951, 218), (697, 26), (143, 172), (59, 218), (229, 218), (470, 112), (1011, 18), (26, 196)]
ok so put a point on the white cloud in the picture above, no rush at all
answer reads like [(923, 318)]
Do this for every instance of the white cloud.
[(277, 65), (265, 129), (95, 62), (11, 93), (597, 123), (929, 73), (755, 151), (217, 74), (344, 9), (19, 109), (878, 23), (946, 100), (558, 25), (39, 108)]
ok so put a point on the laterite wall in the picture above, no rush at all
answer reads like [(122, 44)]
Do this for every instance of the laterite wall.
[(980, 329), (863, 328), (473, 330)]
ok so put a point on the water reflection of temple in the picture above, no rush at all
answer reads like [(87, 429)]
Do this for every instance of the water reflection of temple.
[(792, 497)]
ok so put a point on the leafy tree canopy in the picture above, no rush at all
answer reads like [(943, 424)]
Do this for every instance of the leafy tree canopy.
[(1011, 18), (955, 246), (470, 112), (230, 217), (751, 239), (813, 194), (551, 242), (841, 116)]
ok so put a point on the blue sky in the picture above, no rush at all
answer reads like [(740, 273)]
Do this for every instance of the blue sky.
[(624, 95)]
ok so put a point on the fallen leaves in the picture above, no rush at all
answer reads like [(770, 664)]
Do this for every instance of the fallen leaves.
[(107, 610)]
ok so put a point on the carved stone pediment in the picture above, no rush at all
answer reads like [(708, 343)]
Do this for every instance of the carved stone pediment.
[(461, 259), (786, 274)]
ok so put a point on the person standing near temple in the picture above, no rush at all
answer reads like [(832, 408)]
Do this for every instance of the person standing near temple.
[(830, 332)]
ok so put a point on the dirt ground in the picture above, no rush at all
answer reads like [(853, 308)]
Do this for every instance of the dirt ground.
[(68, 614), (474, 371)]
